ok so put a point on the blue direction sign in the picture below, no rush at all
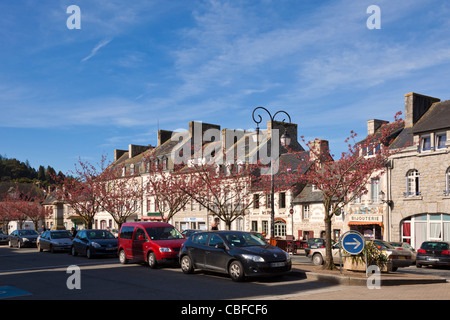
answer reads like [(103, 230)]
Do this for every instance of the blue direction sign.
[(353, 242)]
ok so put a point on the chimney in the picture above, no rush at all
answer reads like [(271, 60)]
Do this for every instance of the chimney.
[(415, 107), (373, 125), (134, 150), (118, 153), (290, 129), (163, 136), (319, 148)]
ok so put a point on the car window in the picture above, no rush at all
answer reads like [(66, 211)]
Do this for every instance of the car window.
[(164, 233), (215, 240), (200, 238), (139, 232), (243, 240), (126, 232), (99, 234), (59, 234), (434, 246), (27, 233)]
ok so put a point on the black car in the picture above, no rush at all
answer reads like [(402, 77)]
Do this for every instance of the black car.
[(433, 253), (3, 237), (239, 254), (94, 242), (23, 238)]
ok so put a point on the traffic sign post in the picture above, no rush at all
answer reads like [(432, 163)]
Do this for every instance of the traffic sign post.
[(354, 243)]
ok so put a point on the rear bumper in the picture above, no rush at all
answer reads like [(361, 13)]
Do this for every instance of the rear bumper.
[(433, 261)]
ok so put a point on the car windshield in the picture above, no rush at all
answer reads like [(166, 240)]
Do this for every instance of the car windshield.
[(383, 244), (99, 234), (243, 240), (27, 233), (434, 246), (164, 233), (60, 235)]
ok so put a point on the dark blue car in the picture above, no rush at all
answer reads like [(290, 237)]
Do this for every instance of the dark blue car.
[(94, 243), (238, 254)]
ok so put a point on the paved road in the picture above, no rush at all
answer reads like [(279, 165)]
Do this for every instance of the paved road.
[(28, 274)]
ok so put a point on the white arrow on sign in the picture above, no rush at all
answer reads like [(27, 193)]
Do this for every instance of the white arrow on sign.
[(356, 243)]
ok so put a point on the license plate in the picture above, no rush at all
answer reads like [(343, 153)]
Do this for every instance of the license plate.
[(277, 264), (432, 259), (402, 257)]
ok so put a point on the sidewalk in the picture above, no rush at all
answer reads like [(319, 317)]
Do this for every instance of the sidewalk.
[(353, 278)]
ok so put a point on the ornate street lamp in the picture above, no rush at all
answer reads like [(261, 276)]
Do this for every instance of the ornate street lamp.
[(285, 142)]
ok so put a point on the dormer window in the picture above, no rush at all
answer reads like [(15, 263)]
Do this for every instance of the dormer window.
[(441, 139), (425, 143)]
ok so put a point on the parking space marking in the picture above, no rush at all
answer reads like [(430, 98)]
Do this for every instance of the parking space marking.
[(9, 292)]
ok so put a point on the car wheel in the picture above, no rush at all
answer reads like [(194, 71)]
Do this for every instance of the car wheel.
[(151, 259), (236, 271), (418, 265), (317, 259), (89, 253), (123, 257), (186, 265), (74, 251)]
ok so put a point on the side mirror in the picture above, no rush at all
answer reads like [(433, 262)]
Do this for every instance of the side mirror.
[(220, 246), (141, 238)]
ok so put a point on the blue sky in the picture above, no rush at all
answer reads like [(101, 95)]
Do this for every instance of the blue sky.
[(136, 65)]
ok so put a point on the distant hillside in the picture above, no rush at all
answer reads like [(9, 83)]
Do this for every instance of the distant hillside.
[(13, 170)]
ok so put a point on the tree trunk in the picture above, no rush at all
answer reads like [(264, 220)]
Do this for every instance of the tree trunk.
[(329, 263)]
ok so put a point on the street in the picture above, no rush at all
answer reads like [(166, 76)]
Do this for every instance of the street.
[(28, 274)]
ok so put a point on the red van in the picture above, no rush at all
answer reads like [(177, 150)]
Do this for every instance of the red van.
[(152, 242)]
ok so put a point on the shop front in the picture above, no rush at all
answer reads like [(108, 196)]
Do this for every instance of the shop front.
[(369, 225)]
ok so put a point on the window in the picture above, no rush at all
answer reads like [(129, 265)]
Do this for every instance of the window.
[(265, 227), (254, 225), (412, 183), (374, 190), (282, 200), (425, 143), (306, 211), (256, 201), (441, 138), (447, 182), (280, 229)]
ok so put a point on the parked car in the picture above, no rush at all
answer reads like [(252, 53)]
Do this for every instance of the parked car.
[(3, 237), (314, 243), (236, 253), (93, 242), (399, 258), (433, 253), (405, 246), (23, 238), (54, 240), (152, 242)]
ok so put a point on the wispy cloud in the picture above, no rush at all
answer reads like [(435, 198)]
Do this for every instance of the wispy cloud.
[(94, 51)]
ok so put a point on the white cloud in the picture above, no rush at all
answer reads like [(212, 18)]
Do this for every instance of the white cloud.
[(94, 51)]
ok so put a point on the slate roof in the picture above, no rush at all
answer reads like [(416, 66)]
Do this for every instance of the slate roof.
[(437, 117)]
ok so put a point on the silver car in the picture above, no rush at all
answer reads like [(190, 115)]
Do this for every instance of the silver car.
[(399, 258), (55, 240)]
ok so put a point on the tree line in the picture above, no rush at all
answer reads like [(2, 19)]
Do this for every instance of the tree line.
[(13, 170)]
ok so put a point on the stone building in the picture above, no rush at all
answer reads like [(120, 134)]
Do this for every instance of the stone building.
[(420, 173), (411, 201)]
